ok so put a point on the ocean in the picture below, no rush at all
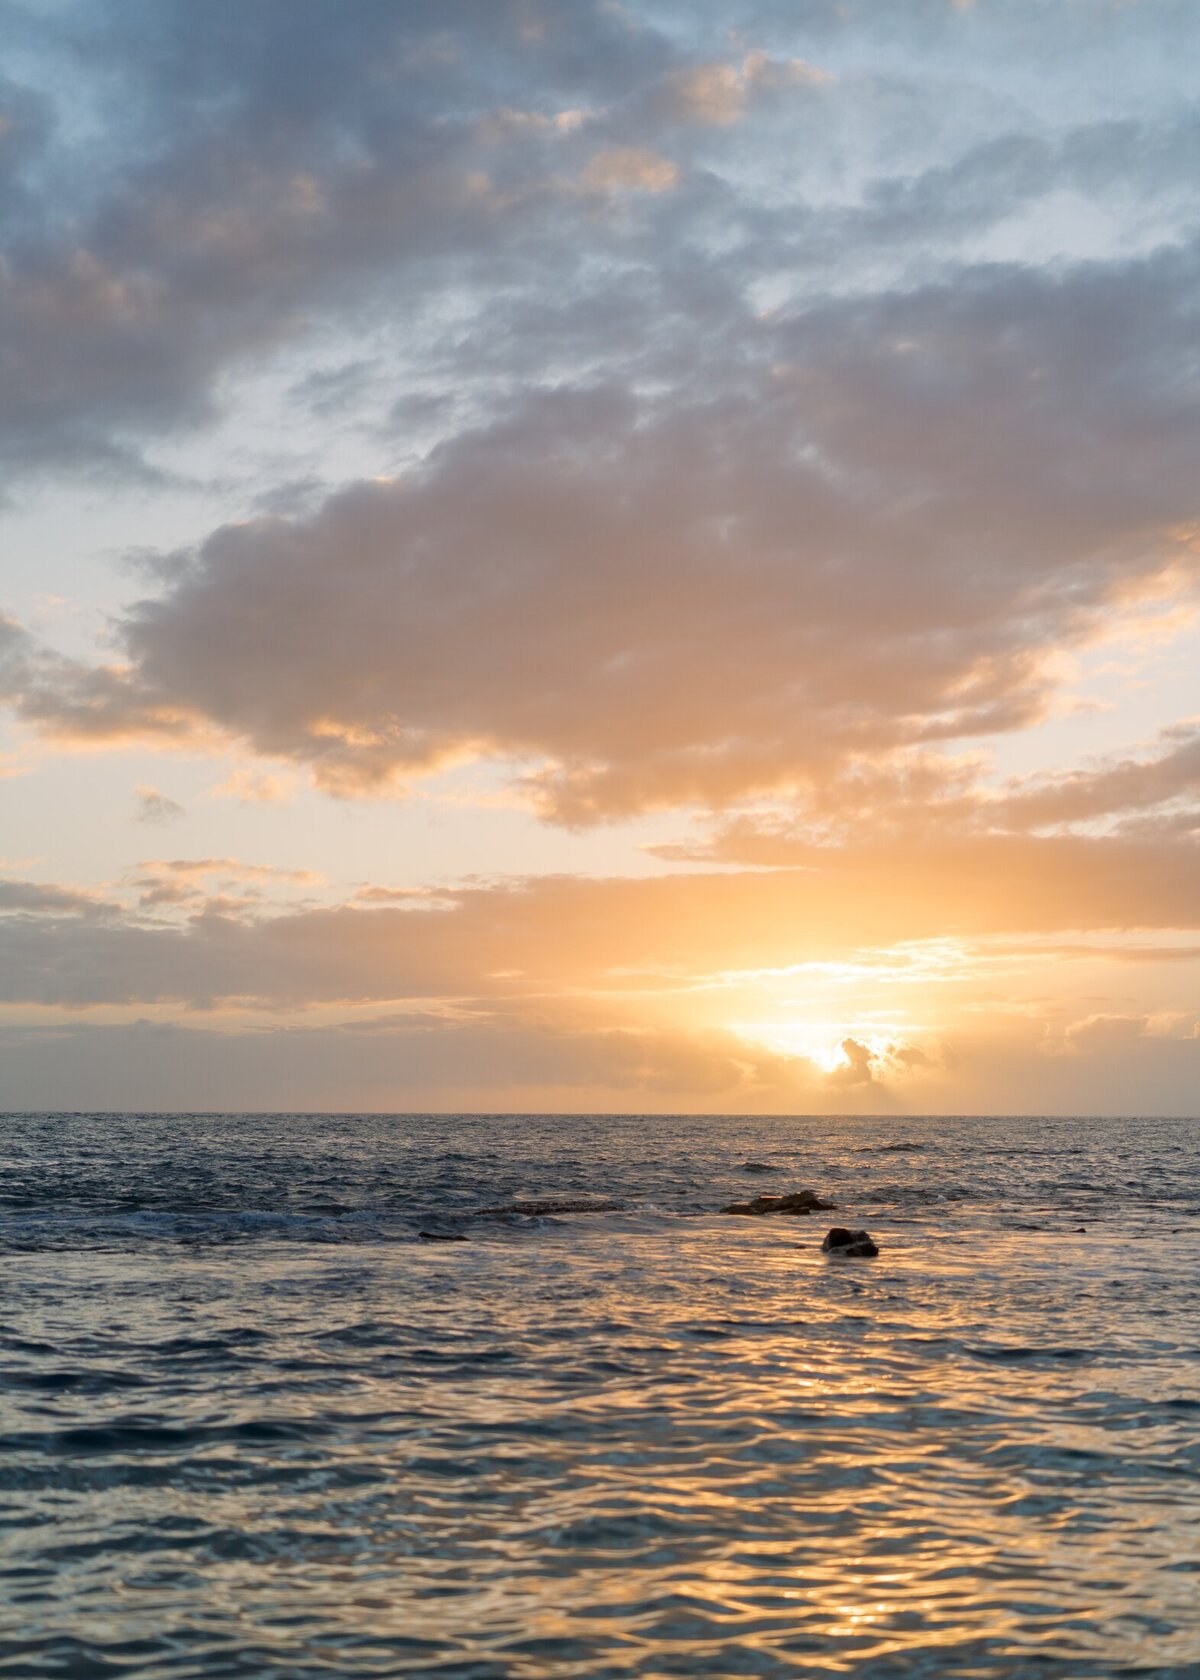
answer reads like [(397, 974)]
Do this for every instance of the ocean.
[(253, 1423)]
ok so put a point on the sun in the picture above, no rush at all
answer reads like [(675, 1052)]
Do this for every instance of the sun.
[(819, 1042)]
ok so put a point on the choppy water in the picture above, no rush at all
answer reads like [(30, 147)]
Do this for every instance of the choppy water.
[(251, 1424)]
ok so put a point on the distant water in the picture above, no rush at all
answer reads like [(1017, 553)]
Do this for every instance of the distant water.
[(253, 1425)]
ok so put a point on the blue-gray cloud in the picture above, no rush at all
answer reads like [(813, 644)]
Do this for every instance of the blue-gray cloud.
[(191, 188)]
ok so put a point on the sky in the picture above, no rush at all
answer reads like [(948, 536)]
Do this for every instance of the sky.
[(600, 555)]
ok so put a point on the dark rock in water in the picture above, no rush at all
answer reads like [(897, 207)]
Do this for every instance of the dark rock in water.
[(758, 1166), (551, 1205), (441, 1236), (801, 1201), (855, 1244)]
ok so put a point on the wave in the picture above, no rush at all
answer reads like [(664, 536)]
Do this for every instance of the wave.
[(891, 1148)]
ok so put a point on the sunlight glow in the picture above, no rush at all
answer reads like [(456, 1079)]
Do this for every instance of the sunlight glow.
[(819, 1042)]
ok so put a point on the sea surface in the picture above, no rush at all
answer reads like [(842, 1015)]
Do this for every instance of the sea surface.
[(252, 1423)]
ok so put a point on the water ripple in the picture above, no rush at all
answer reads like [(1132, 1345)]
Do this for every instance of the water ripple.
[(638, 1439)]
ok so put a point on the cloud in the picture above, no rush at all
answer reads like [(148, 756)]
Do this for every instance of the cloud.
[(718, 93), (1121, 787), (33, 898), (215, 228), (358, 170), (917, 797), (155, 807), (554, 1065), (872, 531), (859, 1065), (549, 936), (190, 883), (255, 787), (1105, 1030), (479, 1063), (618, 990), (629, 169)]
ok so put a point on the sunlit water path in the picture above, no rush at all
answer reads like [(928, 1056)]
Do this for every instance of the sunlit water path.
[(253, 1424)]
